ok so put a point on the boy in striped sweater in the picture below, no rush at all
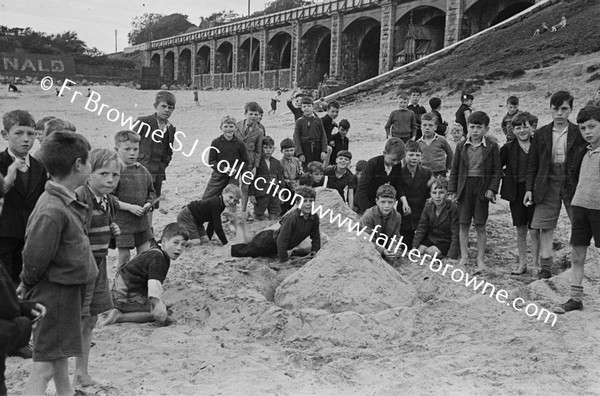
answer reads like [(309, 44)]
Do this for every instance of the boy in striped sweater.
[(106, 171)]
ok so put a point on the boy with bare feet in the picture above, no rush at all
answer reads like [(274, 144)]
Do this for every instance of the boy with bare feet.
[(474, 182), (138, 287)]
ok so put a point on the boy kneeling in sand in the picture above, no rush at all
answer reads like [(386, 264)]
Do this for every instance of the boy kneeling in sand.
[(138, 287)]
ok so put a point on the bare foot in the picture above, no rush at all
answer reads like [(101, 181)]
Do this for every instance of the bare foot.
[(112, 317), (84, 380)]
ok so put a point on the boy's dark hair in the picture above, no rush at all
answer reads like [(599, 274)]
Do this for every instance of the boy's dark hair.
[(60, 151), (287, 143), (41, 124), (413, 147), (126, 136), (307, 100), (560, 97), (165, 96), (334, 104), (268, 141), (344, 124), (361, 165), (512, 100), (306, 192), (103, 157), (429, 117), (588, 113), (228, 120), (57, 124), (466, 97), (394, 146), (314, 166), (252, 106), (479, 118), (522, 118), (435, 103), (413, 90), (173, 230), (386, 191), (344, 153), (438, 182), (403, 95), (17, 117)]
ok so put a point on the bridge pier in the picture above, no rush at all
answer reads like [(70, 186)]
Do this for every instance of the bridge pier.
[(213, 61), (296, 35), (335, 53), (386, 46), (262, 57)]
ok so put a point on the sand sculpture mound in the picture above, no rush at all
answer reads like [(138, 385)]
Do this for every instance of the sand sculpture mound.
[(346, 275)]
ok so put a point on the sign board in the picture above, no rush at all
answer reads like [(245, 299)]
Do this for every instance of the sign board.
[(24, 64)]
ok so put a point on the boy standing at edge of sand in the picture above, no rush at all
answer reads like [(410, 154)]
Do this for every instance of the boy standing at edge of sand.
[(507, 127), (383, 221), (249, 132), (402, 122), (474, 182), (58, 262), (437, 153), (415, 107), (550, 174), (309, 135), (585, 204), (292, 169), (333, 110)]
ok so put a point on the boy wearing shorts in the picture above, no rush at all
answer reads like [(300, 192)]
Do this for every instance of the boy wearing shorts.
[(269, 174), (251, 134), (309, 135), (292, 169)]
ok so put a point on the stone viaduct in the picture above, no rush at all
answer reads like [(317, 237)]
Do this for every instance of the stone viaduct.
[(343, 41)]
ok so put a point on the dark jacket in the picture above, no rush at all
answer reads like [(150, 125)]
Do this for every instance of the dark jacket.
[(296, 227), (341, 143), (155, 156), (20, 200), (209, 211), (492, 169), (374, 176), (417, 193), (540, 161), (577, 161), (442, 126), (442, 228), (274, 172), (15, 316), (230, 151), (509, 160)]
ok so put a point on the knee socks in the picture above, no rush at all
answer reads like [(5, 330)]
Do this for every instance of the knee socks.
[(546, 263), (577, 292)]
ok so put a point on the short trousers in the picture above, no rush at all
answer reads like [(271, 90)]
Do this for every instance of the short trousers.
[(216, 184), (125, 301), (185, 218), (58, 334), (443, 246), (585, 224), (267, 202), (157, 181), (134, 240), (97, 293), (262, 245), (547, 211), (471, 206), (521, 215)]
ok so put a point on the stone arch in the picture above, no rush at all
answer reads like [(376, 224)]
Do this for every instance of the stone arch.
[(314, 56), (426, 35), (511, 10), (360, 50), (184, 75), (244, 53), (224, 58), (482, 14), (279, 51), (155, 61), (169, 67), (203, 60)]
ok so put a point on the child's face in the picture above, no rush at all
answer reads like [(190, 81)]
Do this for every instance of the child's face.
[(307, 205), (428, 127), (415, 97), (20, 139), (413, 158), (385, 204), (297, 102), (560, 114), (402, 103), (316, 176), (39, 134), (228, 130), (469, 102), (288, 152), (128, 152), (230, 199), (438, 195), (173, 247), (590, 130), (268, 150), (343, 131), (391, 159), (333, 112), (512, 109), (104, 180), (307, 109), (457, 134), (163, 110), (477, 131), (523, 132), (342, 162), (252, 117), (358, 173)]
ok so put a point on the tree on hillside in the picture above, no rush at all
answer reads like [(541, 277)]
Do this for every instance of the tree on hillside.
[(282, 5), (152, 26)]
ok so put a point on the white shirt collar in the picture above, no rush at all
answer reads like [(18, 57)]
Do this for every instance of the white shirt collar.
[(14, 157)]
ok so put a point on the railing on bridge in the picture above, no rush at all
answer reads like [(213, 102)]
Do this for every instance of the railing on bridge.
[(281, 18)]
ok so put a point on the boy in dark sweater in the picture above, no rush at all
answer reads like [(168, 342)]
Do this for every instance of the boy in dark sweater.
[(402, 122), (296, 226), (328, 120), (512, 103), (269, 175), (340, 178), (339, 141), (226, 155), (383, 221), (309, 135), (196, 213), (436, 105), (415, 107)]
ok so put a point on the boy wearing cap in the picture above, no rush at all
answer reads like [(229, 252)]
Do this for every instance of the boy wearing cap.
[(339, 177)]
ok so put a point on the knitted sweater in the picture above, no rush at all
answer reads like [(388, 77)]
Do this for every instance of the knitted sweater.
[(135, 188)]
